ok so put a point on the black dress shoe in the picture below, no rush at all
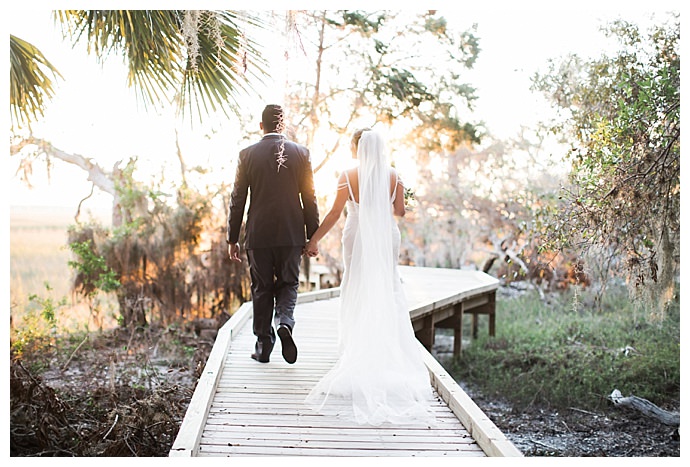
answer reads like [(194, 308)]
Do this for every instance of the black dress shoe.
[(289, 347), (262, 352)]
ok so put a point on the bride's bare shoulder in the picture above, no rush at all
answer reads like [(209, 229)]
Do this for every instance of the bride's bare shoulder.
[(352, 173)]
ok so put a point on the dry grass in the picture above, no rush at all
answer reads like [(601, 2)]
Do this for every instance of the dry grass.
[(38, 259)]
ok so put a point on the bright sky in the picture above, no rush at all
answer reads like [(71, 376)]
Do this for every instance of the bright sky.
[(95, 115)]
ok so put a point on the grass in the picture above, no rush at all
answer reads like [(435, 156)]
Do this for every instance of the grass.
[(563, 353), (38, 267), (38, 255)]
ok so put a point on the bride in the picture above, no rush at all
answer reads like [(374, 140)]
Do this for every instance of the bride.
[(379, 376)]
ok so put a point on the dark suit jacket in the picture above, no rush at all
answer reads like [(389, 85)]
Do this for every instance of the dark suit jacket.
[(282, 208)]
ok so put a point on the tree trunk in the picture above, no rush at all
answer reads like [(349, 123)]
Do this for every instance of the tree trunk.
[(101, 178)]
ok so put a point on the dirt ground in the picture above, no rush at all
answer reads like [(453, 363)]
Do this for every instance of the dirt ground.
[(541, 431), (578, 433), (127, 397)]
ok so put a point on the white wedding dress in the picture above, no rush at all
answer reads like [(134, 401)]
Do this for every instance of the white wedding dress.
[(380, 375)]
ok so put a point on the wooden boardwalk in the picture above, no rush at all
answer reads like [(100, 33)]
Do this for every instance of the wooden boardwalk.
[(244, 408)]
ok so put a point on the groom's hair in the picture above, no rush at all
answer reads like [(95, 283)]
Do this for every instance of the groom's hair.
[(272, 119)]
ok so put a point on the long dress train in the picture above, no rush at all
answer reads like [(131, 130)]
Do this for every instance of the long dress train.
[(380, 375)]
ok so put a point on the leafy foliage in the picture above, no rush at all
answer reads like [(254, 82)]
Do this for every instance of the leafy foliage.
[(38, 327), (366, 23), (622, 116), (381, 76), (381, 69), (95, 273), (169, 259)]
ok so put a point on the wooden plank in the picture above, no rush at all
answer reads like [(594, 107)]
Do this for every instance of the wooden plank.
[(187, 440), (294, 378), (323, 294), (220, 415), (296, 407), (268, 432), (236, 451), (424, 286), (482, 429), (280, 400), (343, 443), (303, 420)]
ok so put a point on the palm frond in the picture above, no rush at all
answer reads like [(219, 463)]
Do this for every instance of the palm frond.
[(196, 59), (31, 83), (230, 68)]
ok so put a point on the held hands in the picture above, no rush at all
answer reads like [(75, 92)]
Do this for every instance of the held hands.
[(311, 249)]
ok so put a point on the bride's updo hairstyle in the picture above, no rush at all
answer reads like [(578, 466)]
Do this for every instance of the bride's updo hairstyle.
[(356, 136), (371, 149)]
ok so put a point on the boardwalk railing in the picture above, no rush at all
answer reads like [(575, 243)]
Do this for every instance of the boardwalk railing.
[(258, 411)]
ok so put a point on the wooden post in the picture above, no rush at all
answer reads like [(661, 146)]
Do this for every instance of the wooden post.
[(457, 336), (427, 333), (488, 308), (475, 323), (492, 314)]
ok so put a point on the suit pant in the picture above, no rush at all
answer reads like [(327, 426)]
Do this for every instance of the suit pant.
[(275, 280)]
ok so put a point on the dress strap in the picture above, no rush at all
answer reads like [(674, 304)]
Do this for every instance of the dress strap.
[(398, 181), (349, 186)]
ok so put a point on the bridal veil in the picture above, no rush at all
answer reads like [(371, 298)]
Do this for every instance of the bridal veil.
[(380, 375)]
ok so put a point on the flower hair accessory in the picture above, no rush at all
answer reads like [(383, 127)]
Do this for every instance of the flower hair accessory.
[(273, 122), (280, 155)]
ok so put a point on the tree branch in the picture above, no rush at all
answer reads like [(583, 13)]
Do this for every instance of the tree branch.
[(96, 174)]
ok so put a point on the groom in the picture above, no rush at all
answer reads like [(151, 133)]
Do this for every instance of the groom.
[(282, 214)]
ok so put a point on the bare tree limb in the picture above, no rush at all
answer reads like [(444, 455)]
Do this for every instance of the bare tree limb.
[(647, 408), (76, 216), (96, 174), (183, 166), (502, 250)]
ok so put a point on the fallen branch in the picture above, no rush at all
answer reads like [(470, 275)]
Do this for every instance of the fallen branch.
[(117, 416), (646, 407), (553, 448), (64, 367), (584, 411)]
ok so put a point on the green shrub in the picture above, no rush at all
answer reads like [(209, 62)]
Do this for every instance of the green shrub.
[(560, 353)]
